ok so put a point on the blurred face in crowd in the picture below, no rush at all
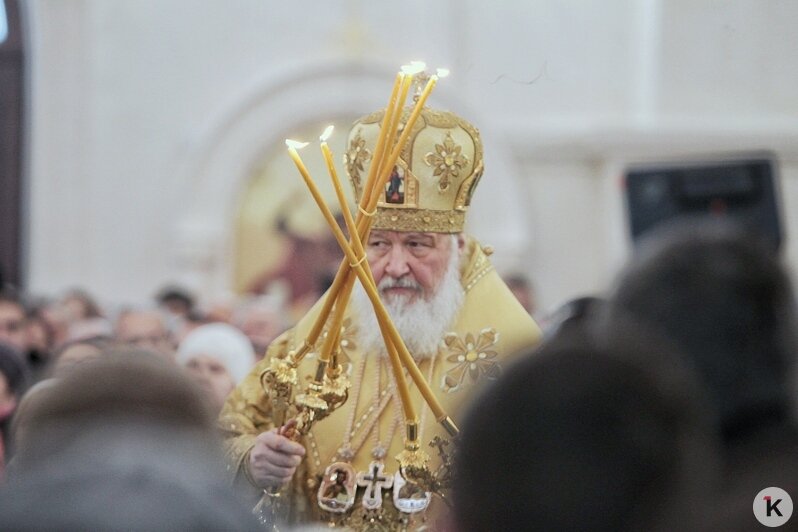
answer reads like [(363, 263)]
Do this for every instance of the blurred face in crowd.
[(409, 266), (37, 336), (145, 330), (12, 325), (213, 376), (176, 306), (77, 307), (8, 400), (261, 326)]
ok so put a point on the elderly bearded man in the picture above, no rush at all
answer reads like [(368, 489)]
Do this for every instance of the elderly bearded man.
[(456, 316)]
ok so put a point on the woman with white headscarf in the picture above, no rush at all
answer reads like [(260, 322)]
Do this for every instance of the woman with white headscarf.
[(218, 356)]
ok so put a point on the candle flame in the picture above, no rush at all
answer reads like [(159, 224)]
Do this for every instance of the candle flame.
[(295, 144), (327, 132), (443, 72), (414, 67)]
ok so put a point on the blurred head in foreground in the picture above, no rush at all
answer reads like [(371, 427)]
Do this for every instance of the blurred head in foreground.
[(122, 442), (585, 436), (725, 301)]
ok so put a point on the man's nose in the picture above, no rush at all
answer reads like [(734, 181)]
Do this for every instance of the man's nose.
[(202, 374), (397, 263)]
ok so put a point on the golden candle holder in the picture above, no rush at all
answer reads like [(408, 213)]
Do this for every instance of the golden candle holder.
[(278, 381), (322, 396), (413, 466)]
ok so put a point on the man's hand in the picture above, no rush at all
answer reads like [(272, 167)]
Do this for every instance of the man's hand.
[(274, 458)]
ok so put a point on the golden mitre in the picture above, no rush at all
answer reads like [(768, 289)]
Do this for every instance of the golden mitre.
[(431, 185)]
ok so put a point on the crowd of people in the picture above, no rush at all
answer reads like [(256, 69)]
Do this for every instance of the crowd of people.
[(667, 403), (50, 336)]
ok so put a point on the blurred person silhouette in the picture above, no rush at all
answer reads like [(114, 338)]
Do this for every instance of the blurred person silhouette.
[(218, 357), (146, 329), (586, 433), (13, 381), (261, 319), (79, 351), (12, 321), (179, 310), (727, 303), (40, 339), (218, 310), (25, 404), (124, 442), (194, 319), (521, 287), (78, 305), (725, 300), (82, 315), (175, 300), (574, 319), (52, 312), (89, 328), (67, 357)]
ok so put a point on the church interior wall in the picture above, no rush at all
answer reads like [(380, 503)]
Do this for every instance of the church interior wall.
[(146, 119)]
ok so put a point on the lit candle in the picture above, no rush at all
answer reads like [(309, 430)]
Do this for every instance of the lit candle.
[(293, 146), (392, 124), (339, 192), (379, 149), (386, 171), (383, 318), (342, 297), (303, 171)]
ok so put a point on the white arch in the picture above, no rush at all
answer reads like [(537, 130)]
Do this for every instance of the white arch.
[(222, 156)]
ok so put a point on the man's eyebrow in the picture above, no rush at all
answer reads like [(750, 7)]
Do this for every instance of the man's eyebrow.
[(420, 236)]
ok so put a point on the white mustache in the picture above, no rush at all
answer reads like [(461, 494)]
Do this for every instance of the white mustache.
[(403, 282)]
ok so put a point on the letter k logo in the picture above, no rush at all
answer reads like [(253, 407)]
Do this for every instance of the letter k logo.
[(772, 506)]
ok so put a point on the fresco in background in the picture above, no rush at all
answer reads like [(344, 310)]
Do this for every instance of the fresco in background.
[(283, 246)]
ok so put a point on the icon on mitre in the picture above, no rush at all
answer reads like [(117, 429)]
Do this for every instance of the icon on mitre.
[(395, 187)]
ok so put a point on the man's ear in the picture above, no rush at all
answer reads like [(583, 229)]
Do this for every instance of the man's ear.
[(460, 242)]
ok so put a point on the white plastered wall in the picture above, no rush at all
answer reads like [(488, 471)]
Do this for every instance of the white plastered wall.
[(147, 117)]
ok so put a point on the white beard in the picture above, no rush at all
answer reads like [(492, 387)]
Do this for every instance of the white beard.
[(421, 323)]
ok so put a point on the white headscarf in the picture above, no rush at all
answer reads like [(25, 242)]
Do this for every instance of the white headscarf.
[(222, 342)]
